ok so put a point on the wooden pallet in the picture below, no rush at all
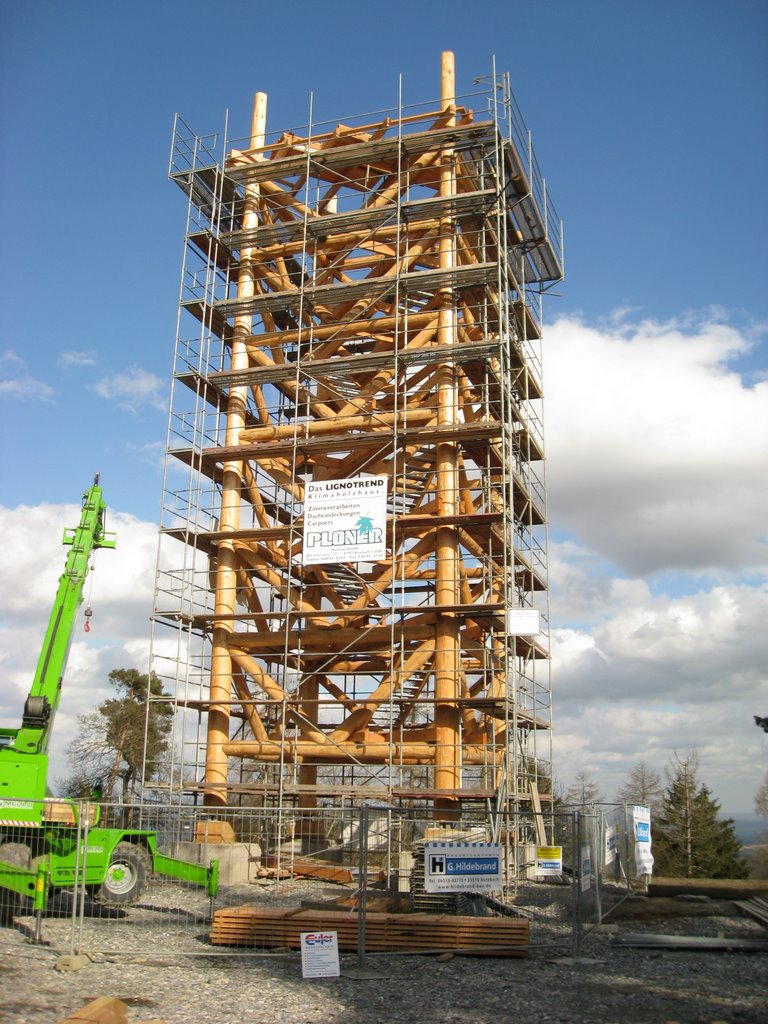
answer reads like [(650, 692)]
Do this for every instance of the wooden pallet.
[(478, 936)]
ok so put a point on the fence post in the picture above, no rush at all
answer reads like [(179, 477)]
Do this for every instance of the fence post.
[(596, 858), (362, 883), (576, 830), (76, 887)]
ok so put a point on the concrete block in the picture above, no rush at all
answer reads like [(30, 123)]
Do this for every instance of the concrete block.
[(72, 963), (238, 862)]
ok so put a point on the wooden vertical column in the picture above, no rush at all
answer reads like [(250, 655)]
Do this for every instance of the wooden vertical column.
[(232, 479), (447, 736)]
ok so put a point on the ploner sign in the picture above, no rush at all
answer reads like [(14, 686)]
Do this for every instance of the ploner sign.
[(462, 867), (345, 520)]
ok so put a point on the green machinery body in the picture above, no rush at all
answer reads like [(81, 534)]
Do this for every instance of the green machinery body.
[(61, 853)]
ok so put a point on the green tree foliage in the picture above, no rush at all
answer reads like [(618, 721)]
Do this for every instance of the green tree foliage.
[(689, 839), (643, 787), (759, 853), (110, 743), (761, 799)]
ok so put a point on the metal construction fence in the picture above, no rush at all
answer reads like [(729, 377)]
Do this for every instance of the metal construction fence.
[(331, 868)]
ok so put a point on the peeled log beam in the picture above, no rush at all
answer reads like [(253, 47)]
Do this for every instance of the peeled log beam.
[(340, 753), (338, 423)]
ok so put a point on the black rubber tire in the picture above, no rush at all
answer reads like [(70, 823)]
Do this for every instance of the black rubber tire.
[(126, 877), (13, 904)]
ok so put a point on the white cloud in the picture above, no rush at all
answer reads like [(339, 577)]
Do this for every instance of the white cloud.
[(656, 448), (17, 382), (133, 389), (657, 487), (86, 357), (119, 591)]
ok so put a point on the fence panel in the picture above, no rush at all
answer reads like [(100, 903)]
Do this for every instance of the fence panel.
[(140, 881)]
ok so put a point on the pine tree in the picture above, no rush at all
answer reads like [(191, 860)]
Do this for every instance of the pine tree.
[(759, 853), (689, 839)]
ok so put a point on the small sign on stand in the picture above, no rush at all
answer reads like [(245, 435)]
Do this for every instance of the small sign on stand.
[(320, 954), (549, 862)]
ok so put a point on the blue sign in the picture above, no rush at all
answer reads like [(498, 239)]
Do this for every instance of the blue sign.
[(643, 831), (462, 867)]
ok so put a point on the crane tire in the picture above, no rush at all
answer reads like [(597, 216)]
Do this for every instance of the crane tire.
[(127, 874)]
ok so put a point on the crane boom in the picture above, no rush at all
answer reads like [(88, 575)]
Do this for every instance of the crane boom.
[(23, 754), (113, 864)]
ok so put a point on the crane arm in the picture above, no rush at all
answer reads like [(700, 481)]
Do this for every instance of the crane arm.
[(40, 708)]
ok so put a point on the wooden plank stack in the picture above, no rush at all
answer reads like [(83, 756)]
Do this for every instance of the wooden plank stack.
[(270, 928)]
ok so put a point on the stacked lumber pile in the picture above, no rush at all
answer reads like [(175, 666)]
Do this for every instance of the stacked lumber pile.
[(394, 933)]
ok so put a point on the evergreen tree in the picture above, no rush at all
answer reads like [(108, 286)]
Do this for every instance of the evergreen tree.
[(759, 853), (110, 744), (689, 839)]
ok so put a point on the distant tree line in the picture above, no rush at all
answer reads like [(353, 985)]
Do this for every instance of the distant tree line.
[(689, 838)]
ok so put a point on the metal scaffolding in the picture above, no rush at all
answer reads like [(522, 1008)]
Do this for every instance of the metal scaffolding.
[(360, 314)]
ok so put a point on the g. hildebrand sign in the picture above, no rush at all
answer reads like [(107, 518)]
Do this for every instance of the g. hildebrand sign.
[(462, 867)]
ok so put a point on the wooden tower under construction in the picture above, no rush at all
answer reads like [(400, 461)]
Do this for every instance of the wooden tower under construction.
[(351, 596)]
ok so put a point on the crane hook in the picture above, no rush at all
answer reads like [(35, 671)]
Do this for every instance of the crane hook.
[(88, 614)]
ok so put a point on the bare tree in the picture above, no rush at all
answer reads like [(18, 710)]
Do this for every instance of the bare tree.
[(114, 742), (643, 786), (583, 792)]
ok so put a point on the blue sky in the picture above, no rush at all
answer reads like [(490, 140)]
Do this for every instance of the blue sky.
[(649, 122)]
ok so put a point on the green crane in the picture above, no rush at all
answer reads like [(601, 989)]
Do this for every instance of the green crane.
[(24, 751), (42, 838)]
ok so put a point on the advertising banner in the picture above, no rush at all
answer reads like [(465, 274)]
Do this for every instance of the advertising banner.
[(345, 520), (320, 954), (462, 867), (585, 871), (611, 839), (641, 817)]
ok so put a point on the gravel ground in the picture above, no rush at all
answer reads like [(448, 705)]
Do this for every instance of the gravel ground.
[(149, 964)]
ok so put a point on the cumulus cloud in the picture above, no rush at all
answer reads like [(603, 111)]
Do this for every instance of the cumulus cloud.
[(656, 446), (17, 382), (133, 389), (658, 503), (119, 590)]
